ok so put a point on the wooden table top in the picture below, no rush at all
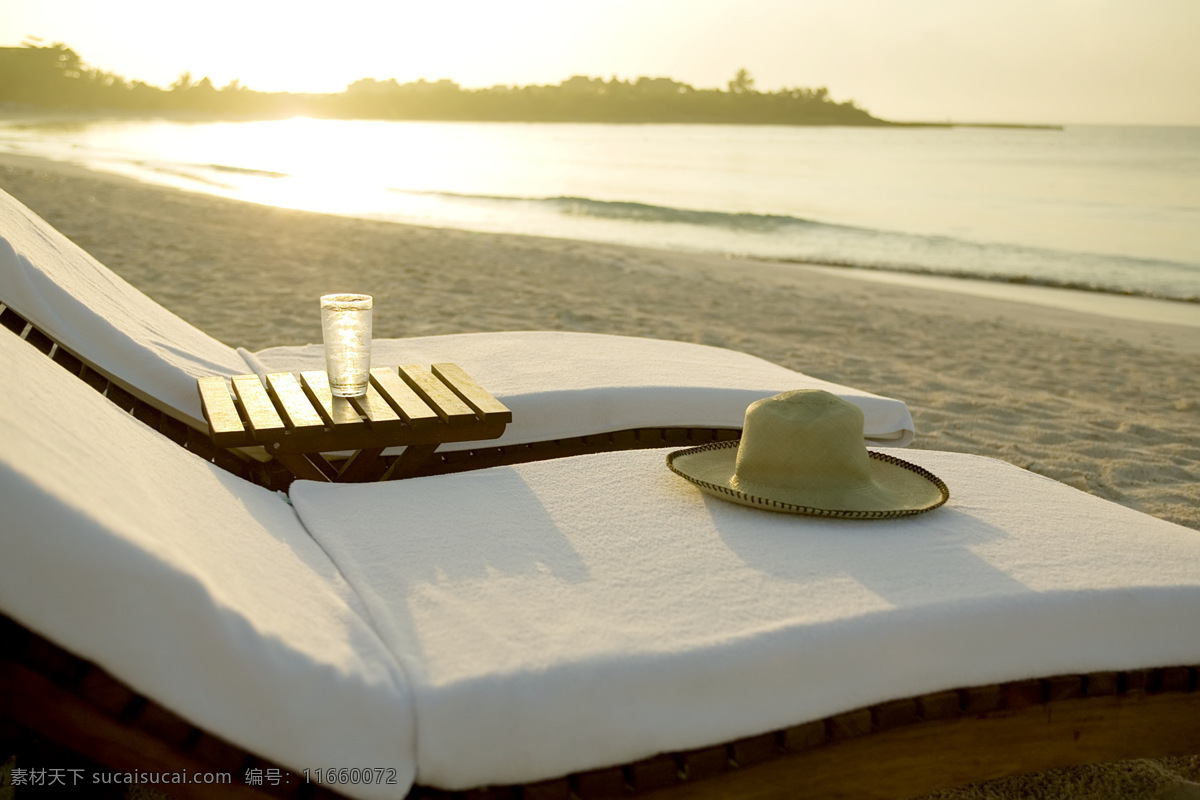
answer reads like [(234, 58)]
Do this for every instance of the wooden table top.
[(291, 412)]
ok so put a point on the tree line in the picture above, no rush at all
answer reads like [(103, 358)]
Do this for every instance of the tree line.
[(54, 77)]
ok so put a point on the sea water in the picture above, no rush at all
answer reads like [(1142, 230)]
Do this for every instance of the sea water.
[(1102, 208)]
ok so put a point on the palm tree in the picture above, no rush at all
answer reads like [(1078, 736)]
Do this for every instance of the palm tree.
[(742, 83)]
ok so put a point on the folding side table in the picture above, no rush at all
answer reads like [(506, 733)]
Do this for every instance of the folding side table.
[(296, 419)]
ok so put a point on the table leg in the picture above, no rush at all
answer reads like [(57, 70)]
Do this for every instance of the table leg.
[(365, 465), (406, 465), (302, 467)]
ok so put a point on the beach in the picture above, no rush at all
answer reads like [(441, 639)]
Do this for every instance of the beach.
[(1110, 406), (1105, 403)]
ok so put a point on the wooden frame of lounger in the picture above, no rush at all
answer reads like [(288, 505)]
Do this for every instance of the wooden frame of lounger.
[(895, 749)]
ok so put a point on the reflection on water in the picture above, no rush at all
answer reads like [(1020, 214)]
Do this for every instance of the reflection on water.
[(1089, 206)]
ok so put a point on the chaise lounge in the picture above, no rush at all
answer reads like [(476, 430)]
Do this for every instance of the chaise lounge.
[(591, 626)]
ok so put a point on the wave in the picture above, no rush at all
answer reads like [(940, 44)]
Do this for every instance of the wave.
[(263, 173), (796, 240), (631, 211), (997, 277), (644, 212)]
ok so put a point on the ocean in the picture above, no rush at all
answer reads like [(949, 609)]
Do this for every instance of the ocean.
[(1097, 208)]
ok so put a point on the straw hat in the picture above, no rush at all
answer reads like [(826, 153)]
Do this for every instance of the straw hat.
[(802, 452)]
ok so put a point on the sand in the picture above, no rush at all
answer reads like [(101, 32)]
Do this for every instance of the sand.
[(1107, 403)]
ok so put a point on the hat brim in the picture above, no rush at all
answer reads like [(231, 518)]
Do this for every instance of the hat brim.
[(711, 467)]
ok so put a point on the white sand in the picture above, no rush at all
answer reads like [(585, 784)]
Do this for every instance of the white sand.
[(1109, 404)]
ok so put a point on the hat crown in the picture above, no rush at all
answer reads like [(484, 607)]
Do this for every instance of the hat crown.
[(805, 439)]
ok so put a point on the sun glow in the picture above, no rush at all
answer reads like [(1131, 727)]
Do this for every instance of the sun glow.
[(321, 165), (1084, 61)]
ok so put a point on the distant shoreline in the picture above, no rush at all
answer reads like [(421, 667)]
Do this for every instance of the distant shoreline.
[(1011, 125), (36, 116)]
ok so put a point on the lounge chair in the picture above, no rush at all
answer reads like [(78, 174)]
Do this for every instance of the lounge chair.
[(590, 627), (569, 392)]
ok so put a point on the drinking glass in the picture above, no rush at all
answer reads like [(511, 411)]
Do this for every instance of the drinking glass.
[(346, 327)]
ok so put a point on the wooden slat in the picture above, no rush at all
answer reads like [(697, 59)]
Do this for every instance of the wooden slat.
[(200, 443), (895, 714), (1064, 687), (298, 410), (850, 724), (939, 705), (653, 773), (755, 749), (1103, 683), (606, 782), (978, 699), (337, 411), (439, 396), (258, 407), (12, 320), (219, 409), (38, 339), (120, 397), (412, 407), (705, 762), (471, 392), (375, 407), (1175, 679), (805, 736), (68, 360)]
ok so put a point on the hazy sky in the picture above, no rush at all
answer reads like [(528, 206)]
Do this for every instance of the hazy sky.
[(1068, 61)]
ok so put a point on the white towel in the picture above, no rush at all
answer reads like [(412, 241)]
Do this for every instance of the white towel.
[(96, 314), (198, 589), (591, 611)]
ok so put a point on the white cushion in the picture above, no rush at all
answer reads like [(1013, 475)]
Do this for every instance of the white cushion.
[(561, 385), (596, 610), (200, 590)]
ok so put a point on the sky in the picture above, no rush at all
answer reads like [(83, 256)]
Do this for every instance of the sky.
[(1020, 61)]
